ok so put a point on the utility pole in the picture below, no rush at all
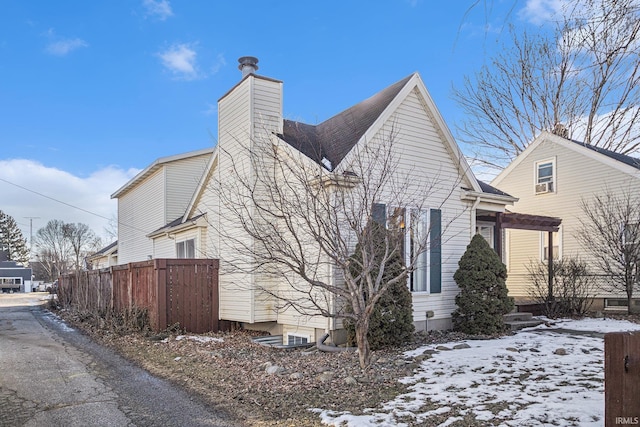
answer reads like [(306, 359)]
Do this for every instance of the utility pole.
[(31, 218)]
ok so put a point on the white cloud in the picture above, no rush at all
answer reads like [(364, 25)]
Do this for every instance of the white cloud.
[(160, 9), (31, 189), (62, 46), (180, 59), (220, 62), (542, 11)]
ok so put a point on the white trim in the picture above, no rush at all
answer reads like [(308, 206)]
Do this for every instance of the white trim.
[(543, 252), (555, 139), (415, 82), (298, 335), (554, 176), (157, 164)]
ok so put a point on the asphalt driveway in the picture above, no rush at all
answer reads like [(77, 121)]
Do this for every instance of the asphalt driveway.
[(52, 375)]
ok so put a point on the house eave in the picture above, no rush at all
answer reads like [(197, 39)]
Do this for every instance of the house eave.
[(153, 167), (199, 221)]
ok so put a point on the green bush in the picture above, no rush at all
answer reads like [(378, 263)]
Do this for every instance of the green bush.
[(483, 300), (391, 322)]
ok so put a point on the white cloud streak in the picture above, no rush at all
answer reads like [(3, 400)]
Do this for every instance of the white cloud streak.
[(539, 12), (62, 46), (160, 9)]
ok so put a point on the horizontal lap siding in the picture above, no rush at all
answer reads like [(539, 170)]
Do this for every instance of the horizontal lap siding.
[(423, 153), (183, 177), (236, 295), (267, 119), (140, 211), (578, 177)]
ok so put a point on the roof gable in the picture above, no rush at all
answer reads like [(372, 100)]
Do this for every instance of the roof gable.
[(153, 167), (330, 142), (621, 162), (334, 138)]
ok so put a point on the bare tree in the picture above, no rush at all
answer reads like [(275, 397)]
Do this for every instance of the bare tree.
[(62, 246), (294, 223), (83, 242), (573, 288), (610, 232), (54, 249), (582, 82)]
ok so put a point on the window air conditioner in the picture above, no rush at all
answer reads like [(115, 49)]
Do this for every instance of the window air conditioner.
[(543, 187)]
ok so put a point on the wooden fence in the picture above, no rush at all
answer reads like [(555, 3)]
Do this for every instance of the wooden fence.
[(183, 291), (622, 378)]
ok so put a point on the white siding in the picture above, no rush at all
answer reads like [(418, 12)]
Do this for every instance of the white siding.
[(424, 154), (140, 211), (235, 119), (579, 176), (182, 178)]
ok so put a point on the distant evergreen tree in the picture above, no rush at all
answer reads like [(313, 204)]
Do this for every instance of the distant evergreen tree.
[(483, 298), (391, 322), (11, 240)]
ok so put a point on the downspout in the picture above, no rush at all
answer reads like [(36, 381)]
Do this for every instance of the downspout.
[(332, 349), (473, 216)]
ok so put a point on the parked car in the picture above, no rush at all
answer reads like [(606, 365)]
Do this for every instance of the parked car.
[(53, 289)]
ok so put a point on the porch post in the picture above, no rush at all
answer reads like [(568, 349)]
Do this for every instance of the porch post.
[(550, 264), (498, 234)]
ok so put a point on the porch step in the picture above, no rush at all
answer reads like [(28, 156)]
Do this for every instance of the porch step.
[(517, 316), (517, 321)]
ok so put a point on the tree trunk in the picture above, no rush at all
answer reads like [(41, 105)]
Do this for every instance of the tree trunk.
[(364, 352)]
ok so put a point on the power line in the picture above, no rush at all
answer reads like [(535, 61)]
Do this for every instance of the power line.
[(70, 205)]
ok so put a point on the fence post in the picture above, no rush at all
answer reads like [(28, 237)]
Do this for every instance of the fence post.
[(622, 378), (161, 289)]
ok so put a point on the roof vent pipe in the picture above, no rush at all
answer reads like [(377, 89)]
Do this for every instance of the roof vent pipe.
[(248, 65)]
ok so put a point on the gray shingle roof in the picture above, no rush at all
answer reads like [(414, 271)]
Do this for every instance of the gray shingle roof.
[(486, 188), (628, 160), (335, 137)]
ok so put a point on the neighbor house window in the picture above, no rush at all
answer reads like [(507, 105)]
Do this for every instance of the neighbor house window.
[(486, 231), (186, 248), (544, 238), (545, 181)]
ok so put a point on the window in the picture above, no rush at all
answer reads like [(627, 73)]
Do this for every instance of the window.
[(418, 232), (545, 245), (630, 234), (486, 231), (419, 242), (294, 339), (186, 249), (545, 177), (414, 229)]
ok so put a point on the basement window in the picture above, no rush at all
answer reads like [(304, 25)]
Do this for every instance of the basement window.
[(295, 339)]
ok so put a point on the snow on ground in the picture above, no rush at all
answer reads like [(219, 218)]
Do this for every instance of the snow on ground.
[(547, 375)]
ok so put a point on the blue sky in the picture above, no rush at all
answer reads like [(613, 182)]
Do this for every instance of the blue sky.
[(93, 91)]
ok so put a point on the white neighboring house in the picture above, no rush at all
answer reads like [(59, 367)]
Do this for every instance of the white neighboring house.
[(105, 257), (252, 110), (154, 197), (551, 177)]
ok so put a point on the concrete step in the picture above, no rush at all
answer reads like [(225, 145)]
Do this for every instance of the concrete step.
[(516, 317), (516, 325)]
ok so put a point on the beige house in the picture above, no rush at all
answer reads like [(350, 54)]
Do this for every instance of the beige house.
[(552, 177), (250, 114), (154, 197)]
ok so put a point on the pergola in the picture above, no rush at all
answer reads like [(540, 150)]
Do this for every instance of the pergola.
[(525, 222)]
